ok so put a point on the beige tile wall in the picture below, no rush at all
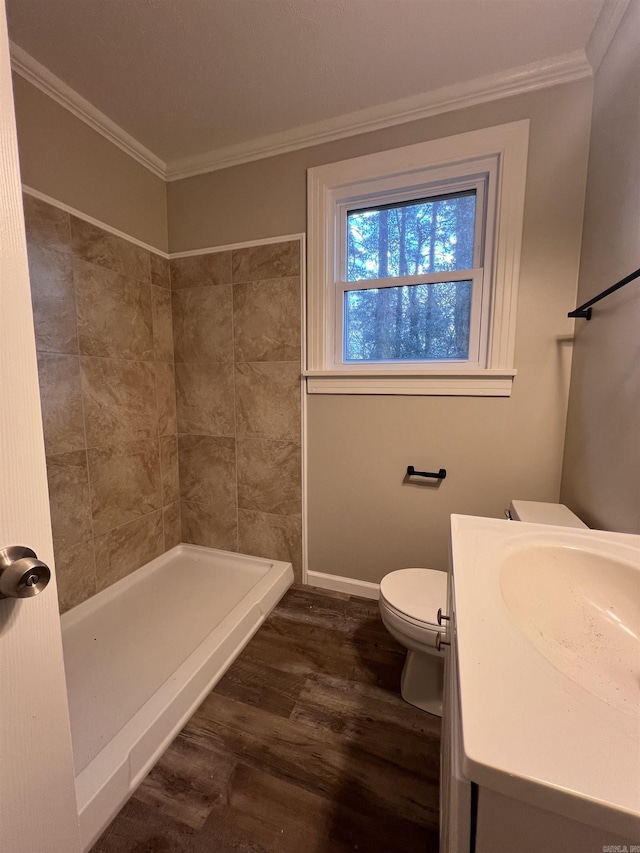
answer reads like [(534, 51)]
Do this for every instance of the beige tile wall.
[(236, 322), (103, 325), (146, 449)]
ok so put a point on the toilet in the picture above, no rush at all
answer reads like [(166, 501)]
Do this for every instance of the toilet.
[(409, 603)]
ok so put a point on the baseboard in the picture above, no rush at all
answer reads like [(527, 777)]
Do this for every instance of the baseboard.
[(351, 586)]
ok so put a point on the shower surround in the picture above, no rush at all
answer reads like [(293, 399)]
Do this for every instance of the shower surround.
[(103, 324), (102, 316)]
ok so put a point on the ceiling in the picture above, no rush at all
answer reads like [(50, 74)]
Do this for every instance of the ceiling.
[(186, 77)]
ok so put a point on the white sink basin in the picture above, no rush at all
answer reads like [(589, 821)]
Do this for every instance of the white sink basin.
[(547, 621), (581, 610)]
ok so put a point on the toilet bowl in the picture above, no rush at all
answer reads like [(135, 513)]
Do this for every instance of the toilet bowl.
[(409, 603)]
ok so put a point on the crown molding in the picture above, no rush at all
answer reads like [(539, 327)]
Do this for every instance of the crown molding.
[(604, 30), (44, 80), (515, 81)]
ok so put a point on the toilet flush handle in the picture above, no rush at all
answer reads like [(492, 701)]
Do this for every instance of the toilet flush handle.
[(441, 616)]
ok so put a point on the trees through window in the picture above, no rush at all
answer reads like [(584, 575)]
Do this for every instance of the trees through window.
[(413, 321)]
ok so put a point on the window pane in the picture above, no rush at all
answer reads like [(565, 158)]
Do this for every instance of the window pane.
[(421, 322), (412, 238)]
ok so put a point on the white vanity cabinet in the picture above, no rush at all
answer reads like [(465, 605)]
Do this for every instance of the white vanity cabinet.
[(531, 762), (475, 819), (506, 825), (455, 790)]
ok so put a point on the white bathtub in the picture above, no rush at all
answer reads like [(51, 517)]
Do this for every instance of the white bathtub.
[(141, 656)]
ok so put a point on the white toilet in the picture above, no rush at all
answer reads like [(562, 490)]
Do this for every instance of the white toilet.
[(409, 603)]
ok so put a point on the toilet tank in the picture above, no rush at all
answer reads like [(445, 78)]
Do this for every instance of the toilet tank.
[(544, 513)]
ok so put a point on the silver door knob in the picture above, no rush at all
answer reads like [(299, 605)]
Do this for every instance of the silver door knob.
[(22, 574)]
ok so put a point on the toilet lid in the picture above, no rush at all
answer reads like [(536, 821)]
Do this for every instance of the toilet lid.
[(417, 593)]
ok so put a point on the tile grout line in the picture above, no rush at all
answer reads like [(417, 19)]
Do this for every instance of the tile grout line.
[(235, 400), (84, 418), (160, 466), (130, 521), (175, 404), (277, 278), (259, 511), (157, 407), (156, 362)]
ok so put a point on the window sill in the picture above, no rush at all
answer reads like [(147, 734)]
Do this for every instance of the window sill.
[(442, 383)]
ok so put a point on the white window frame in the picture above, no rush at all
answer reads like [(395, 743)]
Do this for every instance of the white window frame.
[(497, 152)]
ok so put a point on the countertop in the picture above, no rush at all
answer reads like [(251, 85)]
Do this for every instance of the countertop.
[(529, 730)]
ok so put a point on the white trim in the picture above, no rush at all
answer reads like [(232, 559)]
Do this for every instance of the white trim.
[(452, 385), (515, 81), (350, 586), (605, 28), (44, 80), (437, 371), (97, 222), (543, 74), (303, 412), (287, 238)]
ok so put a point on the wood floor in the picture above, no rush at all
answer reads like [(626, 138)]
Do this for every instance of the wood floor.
[(305, 746)]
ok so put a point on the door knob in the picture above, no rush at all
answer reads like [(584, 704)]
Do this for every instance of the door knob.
[(22, 574)]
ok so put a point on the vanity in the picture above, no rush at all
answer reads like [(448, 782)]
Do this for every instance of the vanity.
[(541, 722)]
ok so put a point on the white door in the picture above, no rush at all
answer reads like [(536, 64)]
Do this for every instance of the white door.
[(37, 797)]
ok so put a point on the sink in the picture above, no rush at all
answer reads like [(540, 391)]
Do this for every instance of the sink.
[(581, 610), (546, 629)]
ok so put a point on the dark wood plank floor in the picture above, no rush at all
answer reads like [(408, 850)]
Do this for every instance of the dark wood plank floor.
[(305, 746)]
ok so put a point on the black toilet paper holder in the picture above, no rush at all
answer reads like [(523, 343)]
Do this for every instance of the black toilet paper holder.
[(439, 475)]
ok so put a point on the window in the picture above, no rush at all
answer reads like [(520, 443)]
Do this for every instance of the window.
[(413, 267), (424, 259)]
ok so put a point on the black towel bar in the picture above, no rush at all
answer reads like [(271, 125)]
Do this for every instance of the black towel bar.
[(584, 311)]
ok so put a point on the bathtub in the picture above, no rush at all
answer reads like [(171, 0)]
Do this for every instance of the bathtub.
[(142, 654)]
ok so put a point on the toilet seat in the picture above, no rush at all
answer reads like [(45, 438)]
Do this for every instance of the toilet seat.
[(426, 626), (414, 595)]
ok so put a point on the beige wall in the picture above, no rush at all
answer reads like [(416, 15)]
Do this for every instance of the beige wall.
[(65, 159), (267, 198), (601, 476), (102, 317), (363, 519)]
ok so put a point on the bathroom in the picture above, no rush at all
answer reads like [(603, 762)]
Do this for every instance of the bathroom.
[(318, 479)]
